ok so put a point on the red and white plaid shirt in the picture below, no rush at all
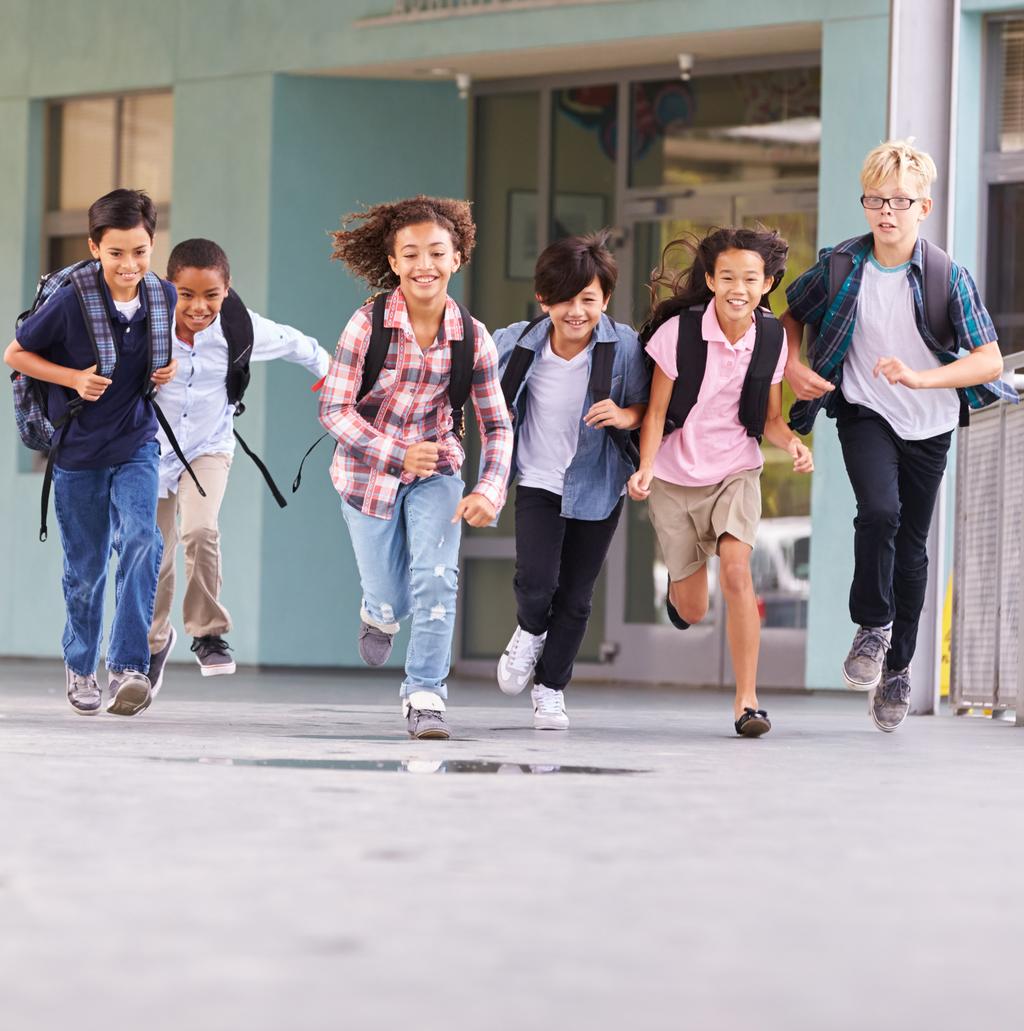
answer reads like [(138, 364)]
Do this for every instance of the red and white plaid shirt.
[(409, 404)]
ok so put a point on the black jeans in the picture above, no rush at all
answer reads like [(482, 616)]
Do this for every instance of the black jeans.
[(557, 564), (895, 482)]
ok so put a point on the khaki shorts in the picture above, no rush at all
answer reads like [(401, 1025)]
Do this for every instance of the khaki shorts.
[(690, 520)]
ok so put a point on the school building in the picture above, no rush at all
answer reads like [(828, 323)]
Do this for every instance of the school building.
[(260, 124)]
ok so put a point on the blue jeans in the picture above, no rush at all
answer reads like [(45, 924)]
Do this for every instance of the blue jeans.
[(99, 510), (410, 564)]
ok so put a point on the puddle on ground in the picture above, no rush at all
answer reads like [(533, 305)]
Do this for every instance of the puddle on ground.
[(403, 765)]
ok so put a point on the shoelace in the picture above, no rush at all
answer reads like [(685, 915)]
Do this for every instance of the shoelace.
[(549, 703), (896, 688), (84, 686), (210, 645), (523, 652), (870, 643)]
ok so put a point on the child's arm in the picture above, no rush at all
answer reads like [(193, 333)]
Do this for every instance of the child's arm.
[(778, 433), (806, 383), (84, 382), (651, 433), (272, 340), (982, 365), (480, 507)]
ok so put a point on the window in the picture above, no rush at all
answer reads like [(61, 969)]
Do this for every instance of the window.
[(95, 145)]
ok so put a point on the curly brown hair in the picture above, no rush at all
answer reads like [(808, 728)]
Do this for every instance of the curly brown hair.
[(365, 248)]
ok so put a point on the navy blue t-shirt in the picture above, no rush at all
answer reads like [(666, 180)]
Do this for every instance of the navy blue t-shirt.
[(108, 431)]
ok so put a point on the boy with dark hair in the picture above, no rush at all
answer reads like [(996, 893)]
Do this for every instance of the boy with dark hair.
[(214, 341), (893, 347), (105, 451), (576, 383)]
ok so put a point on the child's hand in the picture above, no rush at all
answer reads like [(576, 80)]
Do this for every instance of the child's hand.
[(639, 485), (803, 460), (476, 510), (89, 386), (608, 413), (806, 383), (166, 374), (421, 459), (896, 372)]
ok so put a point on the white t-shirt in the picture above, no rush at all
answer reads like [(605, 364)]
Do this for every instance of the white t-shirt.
[(128, 308), (886, 327), (551, 429)]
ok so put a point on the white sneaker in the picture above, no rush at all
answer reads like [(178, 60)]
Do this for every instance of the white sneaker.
[(515, 667), (548, 709)]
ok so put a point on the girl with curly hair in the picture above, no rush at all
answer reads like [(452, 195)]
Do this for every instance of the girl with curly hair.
[(393, 400), (716, 390)]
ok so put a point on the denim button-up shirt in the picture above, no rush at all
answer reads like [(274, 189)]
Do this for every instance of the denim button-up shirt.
[(597, 474)]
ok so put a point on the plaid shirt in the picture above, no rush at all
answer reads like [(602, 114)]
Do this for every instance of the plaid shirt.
[(808, 301), (409, 404)]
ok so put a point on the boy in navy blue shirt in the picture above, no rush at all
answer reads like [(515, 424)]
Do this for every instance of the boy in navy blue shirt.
[(105, 468)]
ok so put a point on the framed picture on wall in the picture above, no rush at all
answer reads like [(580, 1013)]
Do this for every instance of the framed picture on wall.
[(575, 213)]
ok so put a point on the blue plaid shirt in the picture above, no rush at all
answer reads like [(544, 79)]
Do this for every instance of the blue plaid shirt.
[(808, 303)]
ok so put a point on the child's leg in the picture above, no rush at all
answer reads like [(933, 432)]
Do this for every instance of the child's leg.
[(539, 534), (584, 550), (200, 535), (167, 522), (689, 596), (81, 499), (743, 622), (921, 468), (433, 541), (139, 545)]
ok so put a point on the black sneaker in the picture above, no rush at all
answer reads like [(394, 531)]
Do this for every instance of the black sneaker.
[(673, 617), (157, 662), (212, 655)]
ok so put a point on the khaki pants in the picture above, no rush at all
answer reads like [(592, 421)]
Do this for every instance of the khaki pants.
[(200, 534)]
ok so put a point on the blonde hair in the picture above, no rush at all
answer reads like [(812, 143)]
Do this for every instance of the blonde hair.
[(901, 160)]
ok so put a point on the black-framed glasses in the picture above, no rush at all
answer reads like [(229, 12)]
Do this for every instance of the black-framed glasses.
[(896, 203)]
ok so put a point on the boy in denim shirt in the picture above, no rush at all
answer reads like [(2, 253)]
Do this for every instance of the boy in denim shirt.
[(105, 470)]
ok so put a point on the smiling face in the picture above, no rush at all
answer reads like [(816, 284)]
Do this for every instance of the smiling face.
[(574, 321), (124, 256), (424, 258), (201, 292), (897, 229), (738, 283)]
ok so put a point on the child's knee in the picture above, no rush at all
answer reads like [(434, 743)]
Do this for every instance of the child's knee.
[(691, 607), (734, 576)]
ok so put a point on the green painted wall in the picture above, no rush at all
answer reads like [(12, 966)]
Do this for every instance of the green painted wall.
[(853, 103)]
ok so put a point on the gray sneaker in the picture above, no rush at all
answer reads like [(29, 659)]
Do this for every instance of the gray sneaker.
[(424, 714), (212, 655), (157, 662), (83, 693), (862, 668), (128, 693), (374, 645), (890, 701)]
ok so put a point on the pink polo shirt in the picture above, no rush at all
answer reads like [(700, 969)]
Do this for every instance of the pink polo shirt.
[(712, 444)]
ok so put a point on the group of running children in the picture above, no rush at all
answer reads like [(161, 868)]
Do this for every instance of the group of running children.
[(900, 343)]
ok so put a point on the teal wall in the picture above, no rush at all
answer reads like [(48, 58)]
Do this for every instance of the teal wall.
[(854, 93)]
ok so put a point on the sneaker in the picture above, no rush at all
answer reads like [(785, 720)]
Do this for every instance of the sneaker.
[(548, 708), (515, 667), (673, 616), (157, 661), (890, 701), (128, 692), (83, 693), (862, 668), (212, 655), (424, 713), (374, 645)]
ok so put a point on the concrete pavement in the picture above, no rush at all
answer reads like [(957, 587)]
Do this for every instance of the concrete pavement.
[(218, 863)]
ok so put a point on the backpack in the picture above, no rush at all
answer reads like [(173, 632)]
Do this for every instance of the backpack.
[(599, 385), (459, 384), (936, 267), (237, 328), (30, 396), (692, 357)]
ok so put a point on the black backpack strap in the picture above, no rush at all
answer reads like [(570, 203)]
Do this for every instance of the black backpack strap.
[(757, 383), (840, 265), (601, 362), (74, 407), (936, 273), (278, 496), (173, 441), (237, 328), (512, 378), (460, 381), (691, 363), (312, 447), (377, 349)]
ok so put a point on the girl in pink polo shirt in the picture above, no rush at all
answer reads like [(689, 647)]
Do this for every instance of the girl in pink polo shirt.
[(716, 390)]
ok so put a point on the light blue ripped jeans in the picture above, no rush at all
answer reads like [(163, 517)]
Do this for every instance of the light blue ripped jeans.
[(410, 564)]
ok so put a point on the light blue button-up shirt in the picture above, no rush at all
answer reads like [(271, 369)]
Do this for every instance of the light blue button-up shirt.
[(597, 474)]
